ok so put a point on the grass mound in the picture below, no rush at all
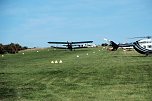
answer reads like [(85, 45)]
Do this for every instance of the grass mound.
[(93, 76)]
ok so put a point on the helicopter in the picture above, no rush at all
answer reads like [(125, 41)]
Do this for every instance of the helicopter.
[(70, 45), (142, 46)]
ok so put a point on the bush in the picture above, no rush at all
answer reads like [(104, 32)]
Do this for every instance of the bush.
[(11, 48)]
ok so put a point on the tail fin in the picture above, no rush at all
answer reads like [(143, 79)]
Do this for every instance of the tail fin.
[(114, 45)]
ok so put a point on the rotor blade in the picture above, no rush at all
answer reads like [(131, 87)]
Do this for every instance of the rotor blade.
[(141, 37), (81, 42), (136, 37), (149, 37), (58, 42)]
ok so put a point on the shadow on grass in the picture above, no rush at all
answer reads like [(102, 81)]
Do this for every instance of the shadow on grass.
[(7, 91), (10, 90)]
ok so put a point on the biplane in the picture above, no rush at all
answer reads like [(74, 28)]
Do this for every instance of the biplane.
[(70, 45)]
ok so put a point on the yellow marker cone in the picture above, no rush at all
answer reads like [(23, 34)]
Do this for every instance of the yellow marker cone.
[(56, 61), (60, 61), (52, 61)]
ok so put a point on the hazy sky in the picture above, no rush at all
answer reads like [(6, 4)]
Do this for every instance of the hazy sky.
[(33, 23)]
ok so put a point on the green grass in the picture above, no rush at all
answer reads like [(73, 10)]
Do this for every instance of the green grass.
[(99, 76)]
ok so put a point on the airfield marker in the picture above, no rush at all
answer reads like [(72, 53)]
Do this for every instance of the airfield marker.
[(77, 56), (2, 55), (56, 61), (60, 61), (23, 53), (52, 61)]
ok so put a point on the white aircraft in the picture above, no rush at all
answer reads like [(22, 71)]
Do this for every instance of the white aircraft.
[(142, 46)]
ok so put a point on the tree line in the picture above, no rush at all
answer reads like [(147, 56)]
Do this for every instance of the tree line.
[(11, 48)]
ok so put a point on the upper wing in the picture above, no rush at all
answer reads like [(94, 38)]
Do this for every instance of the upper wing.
[(82, 42), (70, 42), (58, 42)]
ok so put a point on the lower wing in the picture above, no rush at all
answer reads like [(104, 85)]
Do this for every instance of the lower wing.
[(79, 47), (59, 47)]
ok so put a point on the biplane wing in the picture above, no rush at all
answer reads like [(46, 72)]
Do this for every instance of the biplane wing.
[(79, 47), (60, 47), (82, 42), (70, 42), (58, 42)]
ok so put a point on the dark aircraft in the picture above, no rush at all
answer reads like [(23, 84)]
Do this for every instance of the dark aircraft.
[(70, 45), (142, 46)]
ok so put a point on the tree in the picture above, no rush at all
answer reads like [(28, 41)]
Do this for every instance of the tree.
[(2, 50), (11, 48)]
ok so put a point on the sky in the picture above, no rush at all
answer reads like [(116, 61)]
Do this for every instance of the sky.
[(33, 23)]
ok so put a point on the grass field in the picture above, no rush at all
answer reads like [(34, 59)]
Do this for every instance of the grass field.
[(98, 76)]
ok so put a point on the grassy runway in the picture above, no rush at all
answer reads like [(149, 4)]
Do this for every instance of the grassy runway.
[(98, 76)]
